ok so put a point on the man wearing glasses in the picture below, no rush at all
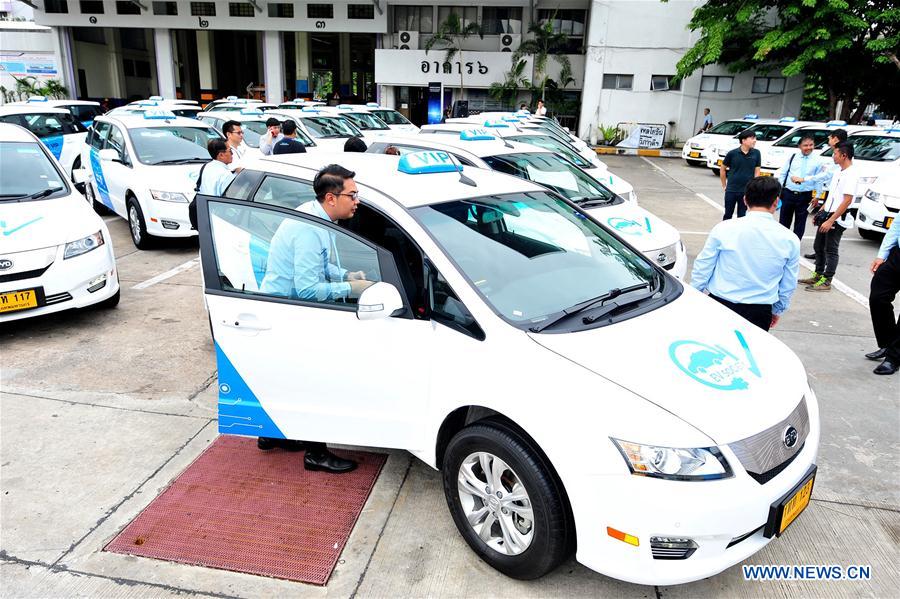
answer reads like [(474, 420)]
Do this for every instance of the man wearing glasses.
[(234, 137), (303, 263)]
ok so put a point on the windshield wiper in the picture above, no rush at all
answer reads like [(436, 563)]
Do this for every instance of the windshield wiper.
[(181, 161), (44, 193), (599, 301), (13, 196), (595, 200)]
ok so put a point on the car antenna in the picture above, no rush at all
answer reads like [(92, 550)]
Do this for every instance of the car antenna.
[(462, 177)]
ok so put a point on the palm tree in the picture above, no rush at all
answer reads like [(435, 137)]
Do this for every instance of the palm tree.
[(545, 43), (515, 80), (450, 35)]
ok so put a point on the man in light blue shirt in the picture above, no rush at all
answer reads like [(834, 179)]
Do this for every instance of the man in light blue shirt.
[(884, 288), (799, 176), (750, 264)]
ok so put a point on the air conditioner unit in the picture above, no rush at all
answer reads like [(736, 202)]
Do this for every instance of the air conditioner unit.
[(408, 40), (509, 42)]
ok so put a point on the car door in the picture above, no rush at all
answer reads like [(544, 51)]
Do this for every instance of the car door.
[(97, 175), (119, 173), (306, 369)]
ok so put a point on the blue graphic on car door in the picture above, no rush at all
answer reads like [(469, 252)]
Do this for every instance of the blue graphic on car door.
[(102, 188), (54, 143), (240, 412)]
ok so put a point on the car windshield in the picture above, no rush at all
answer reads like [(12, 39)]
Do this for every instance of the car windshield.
[(391, 117), (366, 122), (186, 112), (820, 138), (877, 148), (553, 172), (46, 125), (169, 144), (551, 143), (253, 130), (26, 173), (321, 126), (551, 132), (532, 255), (769, 132), (729, 128)]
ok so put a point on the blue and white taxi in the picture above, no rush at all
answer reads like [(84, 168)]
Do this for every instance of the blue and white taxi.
[(184, 108), (57, 129), (779, 153), (696, 147), (144, 167), (767, 133), (327, 129), (574, 396), (656, 238), (369, 125), (253, 123), (394, 119), (55, 251), (83, 110)]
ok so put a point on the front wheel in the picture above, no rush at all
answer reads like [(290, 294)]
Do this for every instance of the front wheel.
[(505, 501), (137, 226), (867, 234)]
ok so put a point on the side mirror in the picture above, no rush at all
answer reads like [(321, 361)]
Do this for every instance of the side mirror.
[(108, 155), (79, 175), (380, 300)]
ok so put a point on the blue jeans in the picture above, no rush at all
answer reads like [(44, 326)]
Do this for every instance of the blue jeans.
[(732, 199)]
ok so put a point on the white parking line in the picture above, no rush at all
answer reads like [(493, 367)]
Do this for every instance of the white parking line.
[(168, 274), (807, 237), (853, 294)]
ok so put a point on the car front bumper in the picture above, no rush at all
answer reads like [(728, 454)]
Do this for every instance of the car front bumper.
[(873, 216), (167, 219)]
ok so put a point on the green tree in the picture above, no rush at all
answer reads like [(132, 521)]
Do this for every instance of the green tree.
[(852, 45), (543, 44), (514, 81), (450, 37)]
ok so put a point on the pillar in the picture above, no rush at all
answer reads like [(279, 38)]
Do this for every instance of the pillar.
[(303, 62), (165, 62), (62, 48), (273, 66)]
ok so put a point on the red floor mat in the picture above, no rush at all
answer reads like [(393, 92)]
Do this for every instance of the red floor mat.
[(238, 508)]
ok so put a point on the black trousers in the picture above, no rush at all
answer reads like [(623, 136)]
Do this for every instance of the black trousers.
[(826, 248), (883, 290), (734, 199), (794, 207), (758, 314)]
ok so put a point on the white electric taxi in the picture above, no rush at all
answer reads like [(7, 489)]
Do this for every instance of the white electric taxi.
[(83, 110), (55, 251), (144, 167), (876, 153), (327, 129), (57, 129), (253, 124), (370, 125), (574, 395), (696, 147), (183, 108), (394, 119), (778, 154), (656, 238), (879, 205), (767, 133)]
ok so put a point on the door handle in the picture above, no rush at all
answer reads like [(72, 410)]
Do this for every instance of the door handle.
[(246, 322)]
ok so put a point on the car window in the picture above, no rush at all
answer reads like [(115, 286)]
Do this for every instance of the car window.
[(116, 141), (391, 117), (553, 172), (84, 112), (769, 132), (100, 132), (328, 127), (446, 307), (729, 128), (366, 122), (820, 138), (14, 119), (25, 170), (287, 193), (171, 143), (265, 253), (551, 143), (877, 148), (51, 125)]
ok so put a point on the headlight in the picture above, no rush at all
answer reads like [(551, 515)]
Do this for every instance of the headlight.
[(705, 463), (83, 246), (169, 196), (873, 195)]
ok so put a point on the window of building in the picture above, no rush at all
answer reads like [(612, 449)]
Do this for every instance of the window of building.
[(664, 83), (768, 85), (133, 39), (617, 81), (165, 8), (467, 14), (203, 9), (136, 68), (92, 35), (240, 9), (127, 7), (281, 10), (712, 83), (497, 20), (360, 11), (569, 21), (56, 6), (91, 7), (320, 11), (413, 18)]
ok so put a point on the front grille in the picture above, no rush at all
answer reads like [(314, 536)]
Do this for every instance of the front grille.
[(57, 298), (27, 274), (765, 452)]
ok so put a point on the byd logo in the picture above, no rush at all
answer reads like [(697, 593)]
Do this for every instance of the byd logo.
[(714, 365), (5, 264)]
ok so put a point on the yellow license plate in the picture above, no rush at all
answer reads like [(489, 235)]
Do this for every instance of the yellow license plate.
[(18, 300), (888, 222), (796, 505), (694, 154), (718, 163), (764, 174)]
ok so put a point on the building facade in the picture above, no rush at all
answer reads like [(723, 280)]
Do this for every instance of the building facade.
[(622, 53)]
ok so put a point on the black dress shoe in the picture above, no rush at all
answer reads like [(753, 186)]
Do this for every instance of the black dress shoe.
[(810, 256), (267, 443), (886, 367), (878, 354), (328, 462)]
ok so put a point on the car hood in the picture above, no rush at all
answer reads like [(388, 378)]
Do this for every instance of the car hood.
[(697, 360), (638, 227), (45, 223), (181, 178)]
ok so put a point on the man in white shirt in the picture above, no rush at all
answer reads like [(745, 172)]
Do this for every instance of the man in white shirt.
[(541, 109), (234, 136), (214, 176), (833, 219), (273, 136)]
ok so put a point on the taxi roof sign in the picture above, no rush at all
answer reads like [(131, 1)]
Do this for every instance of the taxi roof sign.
[(787, 119), (495, 124), (524, 112), (372, 104), (344, 107), (147, 103), (310, 109), (426, 163), (231, 97), (511, 118), (160, 115), (476, 135), (155, 98), (251, 111), (751, 116), (38, 99), (835, 123)]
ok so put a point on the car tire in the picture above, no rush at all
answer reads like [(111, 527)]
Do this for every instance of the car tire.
[(79, 186), (137, 226), (714, 171), (506, 538), (91, 197), (872, 235)]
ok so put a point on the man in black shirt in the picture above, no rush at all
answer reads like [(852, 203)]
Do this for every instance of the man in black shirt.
[(742, 164), (289, 144)]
